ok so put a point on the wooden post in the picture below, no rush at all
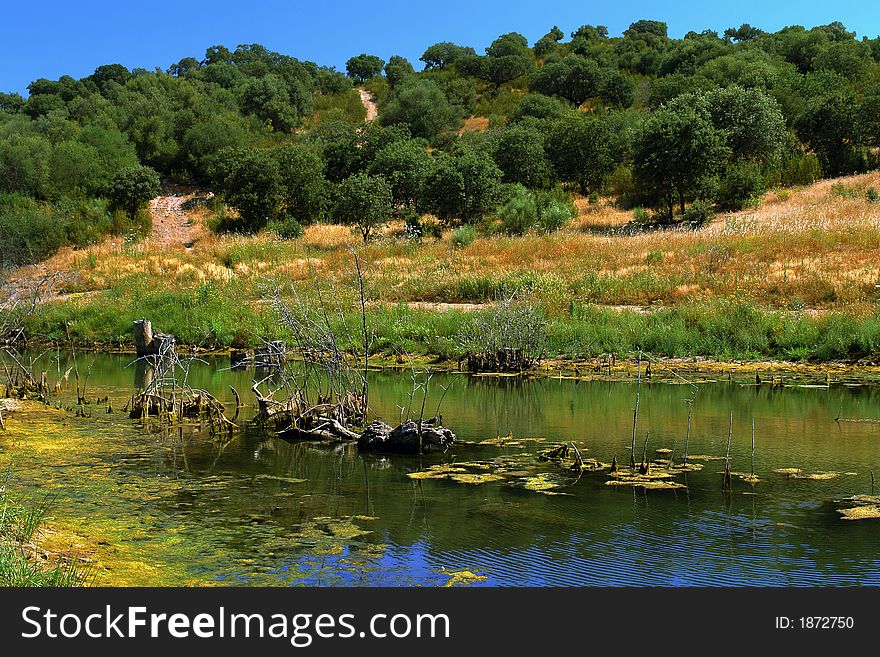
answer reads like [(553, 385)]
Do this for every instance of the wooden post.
[(143, 337)]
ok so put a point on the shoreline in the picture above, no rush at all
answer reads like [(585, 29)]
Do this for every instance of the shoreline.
[(662, 369)]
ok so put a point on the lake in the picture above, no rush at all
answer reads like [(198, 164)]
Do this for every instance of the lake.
[(181, 507)]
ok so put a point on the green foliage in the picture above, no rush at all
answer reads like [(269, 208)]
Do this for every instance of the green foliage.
[(871, 195), (405, 165), (19, 567), (464, 235), (443, 54), (286, 227), (129, 189), (364, 67), (520, 212), (31, 231), (249, 180), (363, 201), (555, 209), (698, 213), (268, 98), (397, 70), (422, 105), (463, 186), (304, 189), (519, 153), (676, 153), (579, 149), (537, 106), (740, 186)]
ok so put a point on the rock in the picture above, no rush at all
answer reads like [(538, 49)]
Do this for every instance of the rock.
[(404, 439)]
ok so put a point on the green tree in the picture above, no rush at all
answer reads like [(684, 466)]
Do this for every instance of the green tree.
[(547, 43), (364, 67), (302, 179), (421, 105), (207, 137), (250, 181), (340, 146), (405, 165), (509, 58), (75, 170), (129, 189), (363, 201), (24, 165), (268, 99), (751, 120), (830, 125), (676, 153), (537, 106), (519, 153), (581, 151), (11, 102), (463, 186), (397, 70), (445, 53)]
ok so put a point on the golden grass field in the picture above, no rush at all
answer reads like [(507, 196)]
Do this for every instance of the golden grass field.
[(800, 249)]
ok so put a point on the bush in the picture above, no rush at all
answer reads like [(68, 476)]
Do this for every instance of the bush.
[(287, 228), (464, 235), (698, 213), (641, 215), (28, 231), (739, 187), (842, 191), (520, 212), (871, 195), (800, 170), (412, 227), (554, 216)]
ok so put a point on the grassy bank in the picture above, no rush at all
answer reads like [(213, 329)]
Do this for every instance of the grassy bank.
[(721, 330)]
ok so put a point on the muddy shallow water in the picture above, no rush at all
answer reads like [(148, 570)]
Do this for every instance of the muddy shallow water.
[(154, 508)]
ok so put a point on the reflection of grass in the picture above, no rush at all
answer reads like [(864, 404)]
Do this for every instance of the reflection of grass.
[(20, 564)]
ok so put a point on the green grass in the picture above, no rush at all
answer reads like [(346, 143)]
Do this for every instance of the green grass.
[(217, 316), (19, 525)]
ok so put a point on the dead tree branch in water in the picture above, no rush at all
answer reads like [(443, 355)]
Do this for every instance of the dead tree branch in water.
[(168, 396), (509, 337), (323, 390)]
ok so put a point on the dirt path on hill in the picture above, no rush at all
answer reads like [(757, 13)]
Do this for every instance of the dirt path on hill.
[(369, 104), (173, 226)]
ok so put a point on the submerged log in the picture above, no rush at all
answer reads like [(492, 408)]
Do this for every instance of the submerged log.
[(405, 438)]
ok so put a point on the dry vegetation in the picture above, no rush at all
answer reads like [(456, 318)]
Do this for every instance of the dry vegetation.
[(802, 249), (813, 250)]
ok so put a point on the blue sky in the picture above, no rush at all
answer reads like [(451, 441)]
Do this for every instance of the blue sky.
[(51, 38)]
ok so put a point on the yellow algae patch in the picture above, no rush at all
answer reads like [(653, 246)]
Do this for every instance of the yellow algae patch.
[(864, 512), (795, 473), (475, 478), (704, 457), (644, 483), (747, 477), (463, 578), (287, 480)]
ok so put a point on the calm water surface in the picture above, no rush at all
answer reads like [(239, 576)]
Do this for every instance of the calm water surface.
[(259, 510)]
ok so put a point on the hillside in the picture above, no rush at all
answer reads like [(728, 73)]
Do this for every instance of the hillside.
[(716, 194)]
